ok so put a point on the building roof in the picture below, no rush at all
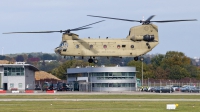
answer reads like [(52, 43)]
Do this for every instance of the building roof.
[(4, 62), (100, 69), (44, 75), (31, 67)]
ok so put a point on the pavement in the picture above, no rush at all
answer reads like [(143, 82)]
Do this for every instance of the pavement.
[(100, 93), (149, 100)]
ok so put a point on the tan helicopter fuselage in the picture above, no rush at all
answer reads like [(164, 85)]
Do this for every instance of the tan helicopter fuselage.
[(141, 39)]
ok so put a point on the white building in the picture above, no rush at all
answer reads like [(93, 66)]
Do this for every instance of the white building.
[(101, 79), (18, 76)]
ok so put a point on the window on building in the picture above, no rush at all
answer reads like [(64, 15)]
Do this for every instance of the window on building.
[(13, 71), (11, 85), (20, 85)]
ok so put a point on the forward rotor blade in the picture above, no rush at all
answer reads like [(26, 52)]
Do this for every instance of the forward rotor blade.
[(115, 18), (90, 24), (164, 21), (35, 32), (76, 29)]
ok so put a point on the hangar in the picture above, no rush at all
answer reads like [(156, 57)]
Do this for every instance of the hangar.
[(100, 79)]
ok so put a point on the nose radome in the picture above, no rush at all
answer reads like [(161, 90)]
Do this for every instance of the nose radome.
[(57, 50)]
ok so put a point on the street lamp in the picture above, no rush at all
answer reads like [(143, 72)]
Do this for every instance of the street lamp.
[(142, 59)]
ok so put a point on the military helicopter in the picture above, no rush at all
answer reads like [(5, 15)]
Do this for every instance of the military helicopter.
[(140, 40)]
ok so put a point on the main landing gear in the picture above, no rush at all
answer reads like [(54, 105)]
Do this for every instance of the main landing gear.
[(93, 60), (137, 58)]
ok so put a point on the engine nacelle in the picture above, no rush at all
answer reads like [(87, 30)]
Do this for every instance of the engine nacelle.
[(148, 37), (137, 38)]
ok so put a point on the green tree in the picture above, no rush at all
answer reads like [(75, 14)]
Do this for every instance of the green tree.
[(178, 72), (176, 58), (19, 58), (47, 57), (138, 65), (61, 71), (157, 60)]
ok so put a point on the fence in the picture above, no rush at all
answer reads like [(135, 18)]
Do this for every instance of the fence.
[(164, 82)]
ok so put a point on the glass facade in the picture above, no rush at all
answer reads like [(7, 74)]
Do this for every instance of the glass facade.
[(113, 84), (103, 78), (106, 75), (13, 71), (113, 75)]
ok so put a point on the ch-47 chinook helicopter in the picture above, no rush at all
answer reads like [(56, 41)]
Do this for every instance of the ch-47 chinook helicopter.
[(140, 40)]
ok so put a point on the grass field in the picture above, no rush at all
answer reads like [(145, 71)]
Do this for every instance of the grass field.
[(97, 106), (62, 106)]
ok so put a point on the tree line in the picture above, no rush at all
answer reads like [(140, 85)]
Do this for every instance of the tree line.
[(172, 65)]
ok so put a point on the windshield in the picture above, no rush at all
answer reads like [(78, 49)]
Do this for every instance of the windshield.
[(63, 43)]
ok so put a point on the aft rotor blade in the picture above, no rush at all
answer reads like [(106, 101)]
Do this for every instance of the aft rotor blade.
[(90, 24), (35, 32), (115, 18), (150, 18), (164, 21)]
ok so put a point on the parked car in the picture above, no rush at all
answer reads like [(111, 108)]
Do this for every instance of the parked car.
[(37, 87), (47, 86), (164, 90), (54, 86), (186, 88), (149, 89), (195, 90), (176, 87), (158, 89), (152, 89), (61, 86)]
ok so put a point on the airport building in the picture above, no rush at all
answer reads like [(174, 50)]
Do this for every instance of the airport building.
[(102, 79), (18, 76)]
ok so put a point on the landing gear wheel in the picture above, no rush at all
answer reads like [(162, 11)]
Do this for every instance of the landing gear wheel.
[(95, 61), (149, 47), (90, 60), (135, 58)]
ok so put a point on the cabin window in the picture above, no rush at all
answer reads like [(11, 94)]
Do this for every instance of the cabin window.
[(123, 45), (118, 46), (65, 44), (91, 46), (77, 46), (132, 46), (104, 46)]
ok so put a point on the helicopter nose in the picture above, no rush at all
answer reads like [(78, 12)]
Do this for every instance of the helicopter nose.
[(57, 50)]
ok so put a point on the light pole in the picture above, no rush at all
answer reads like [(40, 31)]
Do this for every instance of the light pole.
[(142, 68)]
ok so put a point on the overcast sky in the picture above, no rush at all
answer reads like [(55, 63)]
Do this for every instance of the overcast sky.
[(43, 15)]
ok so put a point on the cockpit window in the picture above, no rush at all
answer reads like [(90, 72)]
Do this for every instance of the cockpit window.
[(63, 43)]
